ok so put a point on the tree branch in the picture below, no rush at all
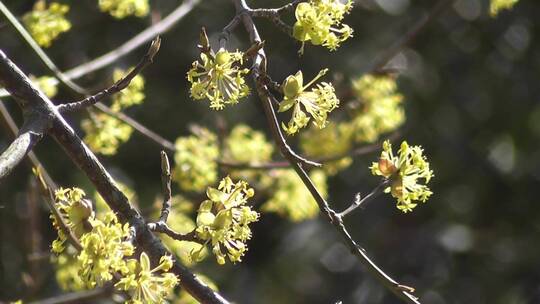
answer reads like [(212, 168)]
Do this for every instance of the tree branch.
[(22, 88), (121, 84), (166, 187), (333, 218)]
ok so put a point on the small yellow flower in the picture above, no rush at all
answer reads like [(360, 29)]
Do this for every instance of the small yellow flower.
[(219, 78), (404, 172), (223, 220), (46, 23), (124, 8), (318, 102), (147, 285), (104, 251), (319, 21)]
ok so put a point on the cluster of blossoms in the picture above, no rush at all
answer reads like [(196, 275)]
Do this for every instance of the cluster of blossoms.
[(196, 160), (218, 77), (404, 171), (46, 23), (133, 94), (318, 102), (104, 133), (380, 110), (496, 6), (291, 199), (124, 8), (146, 284), (223, 220), (319, 21), (105, 253), (332, 141)]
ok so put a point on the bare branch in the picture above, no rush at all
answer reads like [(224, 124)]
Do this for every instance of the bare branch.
[(162, 227), (359, 201), (166, 187), (333, 218), (22, 88), (121, 84), (143, 37), (168, 145), (19, 148)]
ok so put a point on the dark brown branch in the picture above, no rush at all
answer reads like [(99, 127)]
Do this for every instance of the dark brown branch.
[(332, 217), (121, 84), (22, 88)]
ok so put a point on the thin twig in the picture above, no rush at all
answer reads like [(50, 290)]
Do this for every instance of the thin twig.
[(166, 187), (162, 227), (121, 84), (332, 217), (143, 37), (138, 126), (359, 201)]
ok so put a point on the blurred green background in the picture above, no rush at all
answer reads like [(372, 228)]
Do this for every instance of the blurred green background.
[(471, 97)]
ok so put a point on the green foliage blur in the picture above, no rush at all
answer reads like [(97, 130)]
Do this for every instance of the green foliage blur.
[(470, 86)]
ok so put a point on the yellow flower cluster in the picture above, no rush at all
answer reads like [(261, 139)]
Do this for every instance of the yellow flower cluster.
[(404, 172), (219, 78), (133, 94), (319, 21), (223, 220), (195, 160), (124, 8), (318, 102), (380, 110), (291, 199), (46, 23), (332, 141), (146, 284), (104, 254), (104, 133), (104, 250), (496, 6)]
